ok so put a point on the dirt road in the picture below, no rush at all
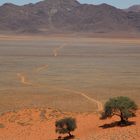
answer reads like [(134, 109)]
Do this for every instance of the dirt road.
[(56, 50), (99, 104), (41, 68), (25, 81)]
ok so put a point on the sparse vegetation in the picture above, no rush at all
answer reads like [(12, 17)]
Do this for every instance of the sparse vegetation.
[(123, 107), (66, 125)]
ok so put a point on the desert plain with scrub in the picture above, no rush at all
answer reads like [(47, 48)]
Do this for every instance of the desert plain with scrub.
[(44, 78)]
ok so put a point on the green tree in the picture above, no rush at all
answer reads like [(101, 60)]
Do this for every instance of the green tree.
[(66, 125), (123, 107)]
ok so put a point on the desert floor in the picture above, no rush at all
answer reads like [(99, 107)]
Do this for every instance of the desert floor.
[(71, 74)]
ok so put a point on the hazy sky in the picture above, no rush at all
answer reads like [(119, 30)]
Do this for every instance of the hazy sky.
[(117, 3)]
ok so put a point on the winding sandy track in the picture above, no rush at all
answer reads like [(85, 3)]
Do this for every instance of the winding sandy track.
[(56, 50), (41, 68), (99, 104), (23, 79)]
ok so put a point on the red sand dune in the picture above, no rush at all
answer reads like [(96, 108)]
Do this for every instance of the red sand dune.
[(38, 124)]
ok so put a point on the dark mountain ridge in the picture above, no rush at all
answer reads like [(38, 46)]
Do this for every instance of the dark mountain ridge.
[(66, 16)]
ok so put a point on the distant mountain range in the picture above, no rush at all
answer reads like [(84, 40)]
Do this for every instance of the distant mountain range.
[(134, 8), (67, 16)]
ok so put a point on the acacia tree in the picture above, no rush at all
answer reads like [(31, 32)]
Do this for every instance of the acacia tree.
[(66, 125), (123, 107)]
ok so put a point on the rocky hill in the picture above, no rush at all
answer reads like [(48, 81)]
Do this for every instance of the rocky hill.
[(66, 16), (134, 8)]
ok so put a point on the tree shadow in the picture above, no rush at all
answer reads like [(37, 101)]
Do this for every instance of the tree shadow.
[(66, 138), (118, 124)]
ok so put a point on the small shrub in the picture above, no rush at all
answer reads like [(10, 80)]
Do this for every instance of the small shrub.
[(66, 125)]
